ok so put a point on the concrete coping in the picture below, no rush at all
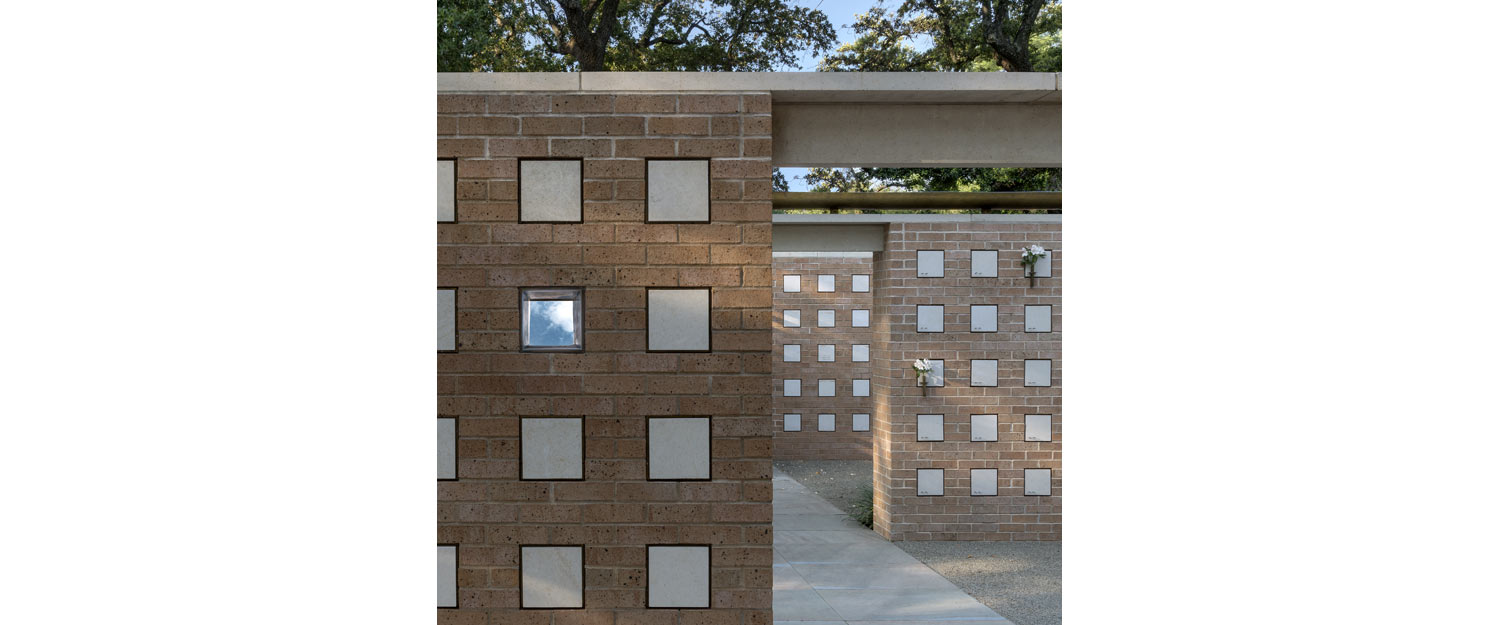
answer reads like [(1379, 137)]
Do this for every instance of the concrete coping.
[(865, 255), (889, 218), (831, 87)]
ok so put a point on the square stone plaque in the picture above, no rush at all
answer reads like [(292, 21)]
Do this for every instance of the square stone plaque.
[(791, 422), (936, 378), (1039, 482), (677, 191), (984, 482), (860, 353), (930, 318), (552, 448), (825, 353), (678, 448), (825, 283), (984, 318), (791, 388), (861, 388), (860, 318), (984, 428), (1038, 318), (861, 422), (791, 318), (861, 283), (447, 320), (984, 263), (447, 576), (929, 263), (552, 191), (552, 577), (929, 482), (1038, 373), (1039, 428), (677, 320), (791, 283), (825, 318), (447, 448), (446, 180), (791, 352), (825, 388), (825, 422), (677, 576), (984, 372), (929, 427)]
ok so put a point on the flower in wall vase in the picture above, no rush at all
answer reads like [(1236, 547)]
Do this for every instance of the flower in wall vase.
[(923, 369), (1029, 256)]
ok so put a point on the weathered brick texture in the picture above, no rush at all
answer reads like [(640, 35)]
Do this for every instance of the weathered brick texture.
[(900, 513), (615, 385), (810, 444)]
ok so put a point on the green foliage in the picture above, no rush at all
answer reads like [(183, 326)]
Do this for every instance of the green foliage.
[(627, 35), (863, 507), (965, 36)]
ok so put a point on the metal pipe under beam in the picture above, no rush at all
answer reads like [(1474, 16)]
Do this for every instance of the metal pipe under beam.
[(918, 200)]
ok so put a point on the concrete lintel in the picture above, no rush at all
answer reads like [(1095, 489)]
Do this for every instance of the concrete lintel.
[(813, 237), (833, 87), (836, 220)]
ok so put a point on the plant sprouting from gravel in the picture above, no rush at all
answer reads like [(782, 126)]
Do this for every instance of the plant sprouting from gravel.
[(863, 508)]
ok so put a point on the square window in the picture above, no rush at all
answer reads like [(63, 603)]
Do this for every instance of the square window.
[(984, 372), (929, 263), (861, 388), (825, 422), (791, 388), (552, 448), (825, 388), (929, 482), (552, 320), (861, 422), (1038, 373), (1039, 428), (860, 353), (825, 283), (791, 422), (929, 427), (984, 318), (677, 191), (791, 284), (825, 353), (677, 576), (1039, 482), (984, 428), (791, 318), (552, 576), (677, 448), (1038, 318), (930, 318), (984, 482), (860, 318), (984, 263), (677, 320), (825, 319), (447, 576), (447, 181), (447, 448), (791, 352), (861, 283), (551, 191), (447, 320), (935, 378)]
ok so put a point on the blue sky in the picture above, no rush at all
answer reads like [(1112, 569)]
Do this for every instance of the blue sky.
[(551, 323)]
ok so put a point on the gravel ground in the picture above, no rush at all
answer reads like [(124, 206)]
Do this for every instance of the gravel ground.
[(1021, 581), (837, 481)]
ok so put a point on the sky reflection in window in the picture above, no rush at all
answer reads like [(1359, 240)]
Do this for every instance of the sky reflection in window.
[(551, 323)]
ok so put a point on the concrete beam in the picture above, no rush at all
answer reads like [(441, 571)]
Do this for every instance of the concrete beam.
[(832, 87), (826, 238), (916, 135)]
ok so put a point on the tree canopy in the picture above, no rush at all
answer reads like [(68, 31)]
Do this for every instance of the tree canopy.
[(627, 35)]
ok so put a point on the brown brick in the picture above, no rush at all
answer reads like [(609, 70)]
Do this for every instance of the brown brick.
[(582, 103), (487, 125), (708, 103), (708, 147), (645, 103), (517, 147), (677, 125), (645, 147), (614, 126), (581, 147), (448, 148), (551, 125), (448, 103), (516, 104)]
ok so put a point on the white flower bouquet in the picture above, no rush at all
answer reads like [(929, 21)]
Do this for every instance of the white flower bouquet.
[(923, 369), (1029, 256)]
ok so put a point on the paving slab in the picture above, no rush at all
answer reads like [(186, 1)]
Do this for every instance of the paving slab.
[(829, 570)]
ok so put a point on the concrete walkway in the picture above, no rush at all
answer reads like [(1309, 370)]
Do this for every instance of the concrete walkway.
[(830, 570)]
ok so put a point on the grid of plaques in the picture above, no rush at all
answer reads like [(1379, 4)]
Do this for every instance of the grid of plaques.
[(552, 448), (825, 352), (984, 372)]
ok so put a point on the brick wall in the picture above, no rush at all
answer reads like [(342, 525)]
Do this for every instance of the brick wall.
[(488, 384), (843, 443), (901, 514)]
